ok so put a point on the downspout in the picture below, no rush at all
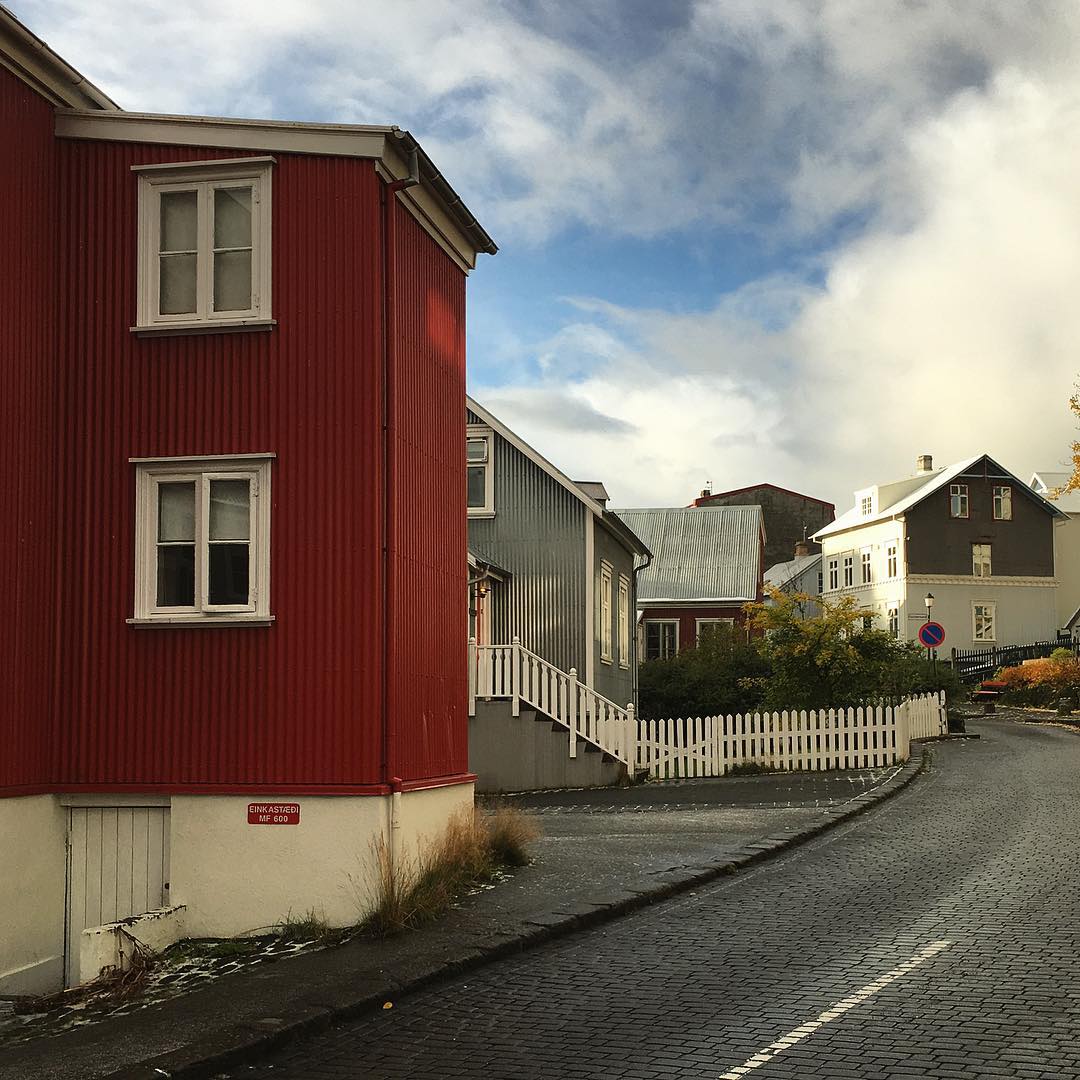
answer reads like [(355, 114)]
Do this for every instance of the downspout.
[(390, 487), (637, 659)]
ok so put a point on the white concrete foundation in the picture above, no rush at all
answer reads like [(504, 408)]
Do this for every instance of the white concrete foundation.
[(33, 861), (113, 945)]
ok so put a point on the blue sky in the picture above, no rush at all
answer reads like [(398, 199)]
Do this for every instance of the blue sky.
[(796, 242)]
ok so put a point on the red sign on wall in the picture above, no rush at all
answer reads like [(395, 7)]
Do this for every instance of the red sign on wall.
[(271, 813)]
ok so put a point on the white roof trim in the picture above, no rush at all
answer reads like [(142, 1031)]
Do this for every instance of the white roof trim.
[(533, 455)]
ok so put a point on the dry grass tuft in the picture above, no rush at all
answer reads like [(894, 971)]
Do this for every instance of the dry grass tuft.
[(475, 845)]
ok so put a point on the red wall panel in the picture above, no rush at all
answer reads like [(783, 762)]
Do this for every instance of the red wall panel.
[(428, 686), (28, 429), (296, 704)]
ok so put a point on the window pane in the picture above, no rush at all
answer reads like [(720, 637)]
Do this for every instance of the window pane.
[(232, 281), (229, 573), (179, 220), (230, 502), (476, 450), (176, 575), (232, 217), (477, 485), (176, 290), (176, 512)]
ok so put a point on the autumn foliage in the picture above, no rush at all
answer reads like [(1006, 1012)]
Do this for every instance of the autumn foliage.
[(1043, 682)]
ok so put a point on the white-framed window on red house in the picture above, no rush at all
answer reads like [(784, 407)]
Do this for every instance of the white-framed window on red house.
[(661, 638), (202, 540)]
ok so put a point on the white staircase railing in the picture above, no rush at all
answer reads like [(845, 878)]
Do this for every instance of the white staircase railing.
[(515, 673)]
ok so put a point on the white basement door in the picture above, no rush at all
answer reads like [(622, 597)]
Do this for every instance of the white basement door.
[(118, 865)]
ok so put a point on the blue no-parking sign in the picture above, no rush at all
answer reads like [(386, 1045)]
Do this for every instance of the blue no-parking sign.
[(931, 634)]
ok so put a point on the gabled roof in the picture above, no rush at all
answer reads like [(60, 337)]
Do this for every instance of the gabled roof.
[(704, 500), (783, 574), (25, 54), (607, 517), (1046, 482), (909, 497), (709, 553)]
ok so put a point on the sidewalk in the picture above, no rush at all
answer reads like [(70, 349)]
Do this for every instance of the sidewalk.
[(602, 853)]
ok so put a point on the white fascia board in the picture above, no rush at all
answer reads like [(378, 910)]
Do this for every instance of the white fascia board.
[(652, 601), (534, 456)]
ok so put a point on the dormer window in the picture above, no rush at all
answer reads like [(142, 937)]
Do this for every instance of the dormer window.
[(866, 505), (204, 245)]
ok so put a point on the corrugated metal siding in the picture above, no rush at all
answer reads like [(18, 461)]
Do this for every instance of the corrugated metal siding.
[(429, 688), (297, 703), (699, 552), (27, 428), (538, 535)]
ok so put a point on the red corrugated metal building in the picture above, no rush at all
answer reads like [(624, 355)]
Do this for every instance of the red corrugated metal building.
[(232, 356)]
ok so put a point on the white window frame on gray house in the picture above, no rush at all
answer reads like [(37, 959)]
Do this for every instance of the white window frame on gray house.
[(624, 621), (984, 620), (205, 263), (958, 501), (605, 612), (666, 648), (191, 533), (479, 447), (1003, 503), (980, 560)]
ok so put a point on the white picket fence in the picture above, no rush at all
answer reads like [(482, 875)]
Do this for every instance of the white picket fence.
[(856, 738), (514, 672)]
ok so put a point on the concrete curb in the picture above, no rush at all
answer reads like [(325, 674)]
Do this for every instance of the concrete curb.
[(237, 1044)]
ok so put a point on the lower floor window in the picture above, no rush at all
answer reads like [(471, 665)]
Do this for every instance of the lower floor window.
[(202, 539), (705, 627), (661, 638), (894, 622), (983, 617)]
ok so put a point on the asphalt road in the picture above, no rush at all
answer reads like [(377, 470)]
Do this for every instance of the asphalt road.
[(938, 936)]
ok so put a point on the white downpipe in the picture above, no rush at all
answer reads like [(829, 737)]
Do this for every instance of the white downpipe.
[(473, 658)]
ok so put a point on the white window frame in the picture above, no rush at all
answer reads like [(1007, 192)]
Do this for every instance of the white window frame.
[(834, 574), (699, 623), (203, 177), (1003, 503), (149, 474), (891, 558), (866, 565), (981, 556), (605, 613), (646, 623), (624, 621), (866, 505), (893, 617), (988, 612), (482, 431), (959, 493), (849, 569)]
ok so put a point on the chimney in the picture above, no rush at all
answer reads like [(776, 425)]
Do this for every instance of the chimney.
[(924, 463), (801, 548)]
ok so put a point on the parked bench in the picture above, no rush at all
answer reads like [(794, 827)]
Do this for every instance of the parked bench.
[(988, 693)]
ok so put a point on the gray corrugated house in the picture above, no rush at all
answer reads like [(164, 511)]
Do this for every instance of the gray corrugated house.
[(551, 566)]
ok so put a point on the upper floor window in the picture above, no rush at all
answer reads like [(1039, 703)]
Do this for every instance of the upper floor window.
[(661, 638), (958, 500), (834, 575), (890, 559), (204, 244), (980, 560), (605, 612), (820, 582), (866, 505), (1003, 504), (480, 481), (202, 540), (849, 571), (867, 571), (624, 621)]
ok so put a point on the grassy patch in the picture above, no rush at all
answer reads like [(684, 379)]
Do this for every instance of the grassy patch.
[(475, 846)]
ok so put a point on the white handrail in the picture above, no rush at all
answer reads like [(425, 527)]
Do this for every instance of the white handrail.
[(520, 675)]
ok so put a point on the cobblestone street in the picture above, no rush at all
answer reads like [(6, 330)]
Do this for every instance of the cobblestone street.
[(934, 937)]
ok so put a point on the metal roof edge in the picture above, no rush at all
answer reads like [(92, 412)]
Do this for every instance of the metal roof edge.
[(49, 74)]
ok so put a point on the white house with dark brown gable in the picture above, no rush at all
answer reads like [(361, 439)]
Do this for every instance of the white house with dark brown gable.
[(972, 535), (1066, 544)]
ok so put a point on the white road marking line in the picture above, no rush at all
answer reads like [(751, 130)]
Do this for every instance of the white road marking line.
[(803, 1031)]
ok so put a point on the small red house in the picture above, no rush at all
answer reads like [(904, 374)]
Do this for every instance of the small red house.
[(231, 354), (707, 564)]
